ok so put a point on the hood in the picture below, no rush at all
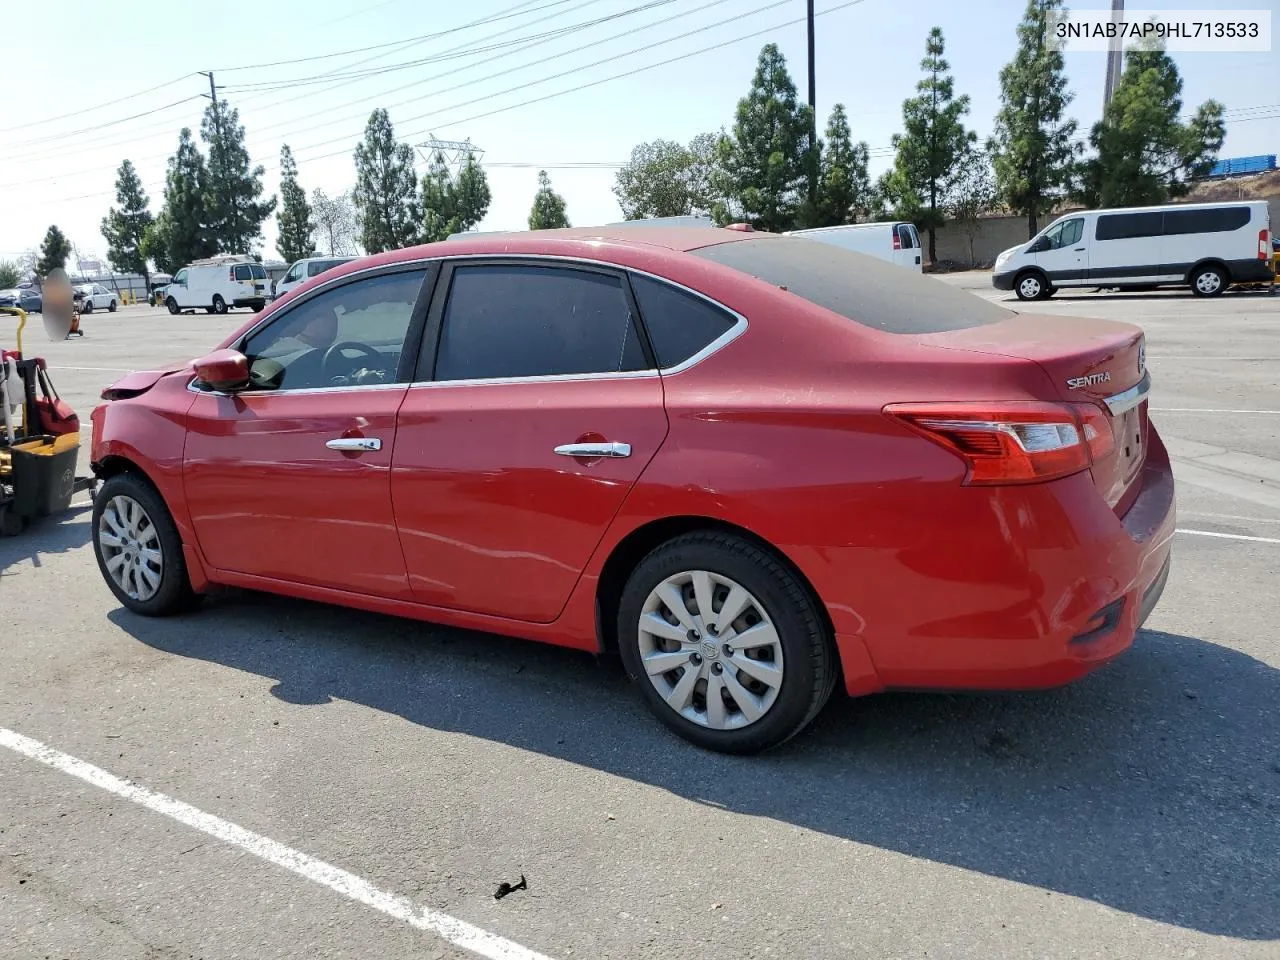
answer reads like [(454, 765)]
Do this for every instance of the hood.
[(140, 381)]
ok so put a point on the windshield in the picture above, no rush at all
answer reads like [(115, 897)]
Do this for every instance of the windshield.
[(861, 288)]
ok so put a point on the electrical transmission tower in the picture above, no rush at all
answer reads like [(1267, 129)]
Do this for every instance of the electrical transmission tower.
[(453, 152)]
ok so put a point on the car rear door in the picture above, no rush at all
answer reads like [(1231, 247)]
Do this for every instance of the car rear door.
[(535, 409), (290, 480), (907, 248)]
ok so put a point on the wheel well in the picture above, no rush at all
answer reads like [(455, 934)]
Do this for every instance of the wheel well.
[(114, 465), (639, 543), (1210, 262), (1025, 271)]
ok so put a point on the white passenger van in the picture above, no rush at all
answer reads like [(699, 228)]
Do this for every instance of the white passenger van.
[(218, 284), (897, 242), (1206, 246)]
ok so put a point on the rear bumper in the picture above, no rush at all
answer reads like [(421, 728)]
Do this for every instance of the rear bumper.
[(1250, 271), (258, 302), (1053, 586)]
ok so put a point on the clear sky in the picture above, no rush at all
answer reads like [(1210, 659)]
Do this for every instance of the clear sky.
[(476, 81)]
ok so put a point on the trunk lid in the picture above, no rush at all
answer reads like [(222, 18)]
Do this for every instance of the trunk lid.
[(1100, 362)]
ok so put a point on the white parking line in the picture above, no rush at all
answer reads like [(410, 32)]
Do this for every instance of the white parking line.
[(457, 932), (1229, 536), (63, 366), (1207, 410)]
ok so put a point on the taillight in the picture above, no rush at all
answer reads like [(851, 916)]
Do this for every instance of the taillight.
[(1015, 442), (897, 241), (1264, 244)]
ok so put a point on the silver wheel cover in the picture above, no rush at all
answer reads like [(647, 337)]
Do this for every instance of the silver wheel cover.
[(1030, 287), (129, 544), (711, 650), (1208, 282)]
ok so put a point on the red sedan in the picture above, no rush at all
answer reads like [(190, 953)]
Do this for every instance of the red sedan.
[(755, 466)]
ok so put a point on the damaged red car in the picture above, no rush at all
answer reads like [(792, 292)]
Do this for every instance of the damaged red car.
[(758, 467)]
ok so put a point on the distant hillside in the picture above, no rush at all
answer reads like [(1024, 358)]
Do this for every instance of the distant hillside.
[(1260, 186)]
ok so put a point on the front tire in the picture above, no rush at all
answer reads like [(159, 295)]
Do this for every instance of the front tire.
[(172, 304), (1209, 281), (1032, 286), (725, 643), (138, 548), (111, 307), (219, 305)]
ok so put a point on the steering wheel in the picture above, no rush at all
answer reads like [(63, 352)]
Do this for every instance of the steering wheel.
[(335, 351)]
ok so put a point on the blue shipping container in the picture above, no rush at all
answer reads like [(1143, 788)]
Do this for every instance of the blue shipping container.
[(1240, 165)]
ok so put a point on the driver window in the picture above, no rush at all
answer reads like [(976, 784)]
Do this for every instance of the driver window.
[(348, 336)]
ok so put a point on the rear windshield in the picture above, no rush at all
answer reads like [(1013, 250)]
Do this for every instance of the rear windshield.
[(865, 289)]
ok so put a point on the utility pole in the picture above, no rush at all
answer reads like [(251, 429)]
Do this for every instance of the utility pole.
[(221, 145), (813, 120), (1115, 56)]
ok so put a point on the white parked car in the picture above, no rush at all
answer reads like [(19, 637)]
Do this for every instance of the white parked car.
[(218, 284), (303, 270), (895, 241), (1205, 246), (94, 296)]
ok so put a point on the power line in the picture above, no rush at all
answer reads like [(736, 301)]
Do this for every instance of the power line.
[(112, 123), (109, 103)]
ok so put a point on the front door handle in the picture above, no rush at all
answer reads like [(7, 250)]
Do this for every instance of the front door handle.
[(594, 450), (354, 443)]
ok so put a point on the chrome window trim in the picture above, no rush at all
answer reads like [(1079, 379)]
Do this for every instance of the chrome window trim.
[(715, 346), (300, 391), (1126, 400)]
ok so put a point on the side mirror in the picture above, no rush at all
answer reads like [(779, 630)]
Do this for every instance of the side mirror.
[(223, 370), (1040, 245)]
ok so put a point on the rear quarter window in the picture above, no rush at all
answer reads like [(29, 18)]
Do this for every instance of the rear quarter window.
[(679, 323), (861, 288)]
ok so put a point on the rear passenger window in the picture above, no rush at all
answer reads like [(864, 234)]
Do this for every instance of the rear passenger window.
[(505, 321), (1221, 220), (1129, 226), (679, 323)]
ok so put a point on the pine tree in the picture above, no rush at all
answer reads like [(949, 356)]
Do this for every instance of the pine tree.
[(934, 138), (125, 229), (452, 204), (548, 211), (1144, 152), (386, 188), (53, 252), (294, 219), (1033, 142), (471, 195), (236, 213), (767, 159), (844, 187), (183, 227)]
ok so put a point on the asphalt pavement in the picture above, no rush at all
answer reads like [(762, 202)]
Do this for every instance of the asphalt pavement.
[(271, 778)]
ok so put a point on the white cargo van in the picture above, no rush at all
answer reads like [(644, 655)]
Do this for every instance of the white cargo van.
[(1206, 246), (218, 284), (303, 270), (895, 241)]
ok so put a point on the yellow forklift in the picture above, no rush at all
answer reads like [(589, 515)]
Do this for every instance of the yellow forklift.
[(39, 432)]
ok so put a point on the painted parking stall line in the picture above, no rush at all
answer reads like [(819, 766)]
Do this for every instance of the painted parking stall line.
[(1228, 536), (455, 931)]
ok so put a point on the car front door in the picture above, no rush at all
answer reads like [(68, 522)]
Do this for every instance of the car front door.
[(536, 409), (1063, 253), (290, 479)]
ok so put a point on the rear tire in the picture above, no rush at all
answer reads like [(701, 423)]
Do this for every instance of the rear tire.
[(1209, 281), (219, 305), (138, 548), (788, 678), (1032, 285), (88, 307), (172, 304)]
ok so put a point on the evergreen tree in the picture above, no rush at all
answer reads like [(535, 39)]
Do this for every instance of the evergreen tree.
[(452, 204), (294, 219), (934, 138), (53, 252), (386, 191), (1033, 143), (236, 213), (548, 211), (1144, 152), (183, 228), (844, 187), (10, 274), (124, 229), (766, 162)]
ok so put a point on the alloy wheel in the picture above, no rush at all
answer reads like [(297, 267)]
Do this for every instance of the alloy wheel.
[(130, 545), (711, 650)]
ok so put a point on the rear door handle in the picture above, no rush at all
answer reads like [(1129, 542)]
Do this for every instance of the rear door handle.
[(594, 450), (354, 443)]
